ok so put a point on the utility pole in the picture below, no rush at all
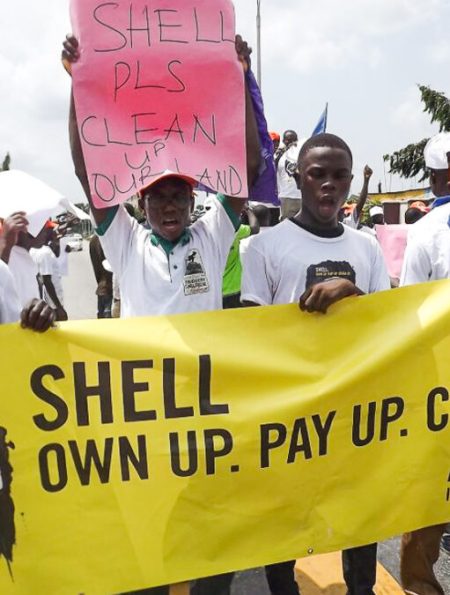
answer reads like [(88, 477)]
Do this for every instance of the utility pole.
[(258, 42)]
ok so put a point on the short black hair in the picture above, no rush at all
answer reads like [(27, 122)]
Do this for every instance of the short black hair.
[(292, 132), (324, 140)]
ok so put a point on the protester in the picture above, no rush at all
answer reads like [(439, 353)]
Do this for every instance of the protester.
[(51, 283), (15, 246), (286, 163), (377, 215), (316, 261), (9, 302), (415, 212), (233, 270), (177, 267), (36, 316), (353, 218), (276, 139), (427, 258)]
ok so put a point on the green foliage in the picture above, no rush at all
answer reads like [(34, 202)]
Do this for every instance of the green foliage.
[(438, 106), (409, 162)]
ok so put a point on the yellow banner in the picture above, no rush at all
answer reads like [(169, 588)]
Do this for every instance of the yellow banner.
[(151, 451)]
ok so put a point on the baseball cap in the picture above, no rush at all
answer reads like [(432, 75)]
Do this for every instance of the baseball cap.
[(436, 150), (169, 174), (376, 211), (274, 136)]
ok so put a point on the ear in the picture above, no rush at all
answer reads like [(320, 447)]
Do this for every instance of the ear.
[(297, 179)]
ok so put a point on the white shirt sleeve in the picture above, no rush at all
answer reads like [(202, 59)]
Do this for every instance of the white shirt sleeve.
[(9, 302), (417, 266), (120, 240), (379, 278), (220, 224), (256, 286)]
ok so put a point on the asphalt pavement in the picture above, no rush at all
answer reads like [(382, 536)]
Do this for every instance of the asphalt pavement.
[(81, 303)]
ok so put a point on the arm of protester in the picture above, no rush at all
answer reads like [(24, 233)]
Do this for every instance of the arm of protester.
[(12, 226), (71, 54), (417, 267), (251, 129), (61, 314), (319, 297), (364, 193), (37, 316)]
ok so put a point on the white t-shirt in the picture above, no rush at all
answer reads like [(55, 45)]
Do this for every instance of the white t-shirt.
[(427, 255), (280, 265), (24, 271), (287, 187), (47, 264), (63, 258), (9, 302), (188, 279)]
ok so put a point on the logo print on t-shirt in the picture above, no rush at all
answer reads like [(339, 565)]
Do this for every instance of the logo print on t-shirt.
[(195, 279), (317, 273), (290, 167)]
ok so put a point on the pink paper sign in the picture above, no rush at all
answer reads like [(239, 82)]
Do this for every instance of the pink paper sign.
[(159, 87), (393, 240)]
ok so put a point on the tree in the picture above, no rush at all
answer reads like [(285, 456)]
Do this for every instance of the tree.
[(409, 162), (6, 163)]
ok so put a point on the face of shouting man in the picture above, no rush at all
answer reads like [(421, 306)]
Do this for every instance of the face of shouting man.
[(167, 206)]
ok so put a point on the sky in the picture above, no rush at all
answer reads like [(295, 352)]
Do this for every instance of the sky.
[(364, 57)]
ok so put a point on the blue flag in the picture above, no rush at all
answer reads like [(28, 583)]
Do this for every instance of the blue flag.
[(322, 123)]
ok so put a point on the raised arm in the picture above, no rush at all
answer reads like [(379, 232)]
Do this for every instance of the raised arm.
[(251, 129), (364, 193), (69, 56), (12, 226)]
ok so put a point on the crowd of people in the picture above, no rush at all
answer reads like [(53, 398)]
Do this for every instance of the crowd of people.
[(171, 258)]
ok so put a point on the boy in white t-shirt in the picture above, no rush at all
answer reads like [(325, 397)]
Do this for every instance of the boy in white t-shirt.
[(176, 267), (315, 261)]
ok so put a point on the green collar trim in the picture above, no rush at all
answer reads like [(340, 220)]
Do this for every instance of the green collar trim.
[(167, 245)]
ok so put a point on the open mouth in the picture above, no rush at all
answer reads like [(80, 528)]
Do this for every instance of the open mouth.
[(327, 203), (170, 223)]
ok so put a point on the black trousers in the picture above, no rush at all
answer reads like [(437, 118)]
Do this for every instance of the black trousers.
[(359, 565)]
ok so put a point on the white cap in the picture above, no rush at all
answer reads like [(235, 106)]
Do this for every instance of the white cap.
[(435, 152), (376, 211)]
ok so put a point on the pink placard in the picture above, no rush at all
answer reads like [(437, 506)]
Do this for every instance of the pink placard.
[(393, 240), (159, 87)]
